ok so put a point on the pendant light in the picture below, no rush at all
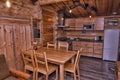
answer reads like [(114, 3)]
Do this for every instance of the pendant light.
[(8, 4)]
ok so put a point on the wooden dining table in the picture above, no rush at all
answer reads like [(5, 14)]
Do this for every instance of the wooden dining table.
[(58, 57)]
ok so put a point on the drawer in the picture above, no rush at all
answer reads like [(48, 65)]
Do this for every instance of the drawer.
[(98, 51), (98, 44), (76, 48), (76, 43), (98, 55), (83, 44), (98, 47), (89, 54), (84, 49), (90, 45), (89, 50)]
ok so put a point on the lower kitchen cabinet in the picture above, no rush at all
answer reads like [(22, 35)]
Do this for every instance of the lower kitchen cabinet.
[(98, 50), (92, 49)]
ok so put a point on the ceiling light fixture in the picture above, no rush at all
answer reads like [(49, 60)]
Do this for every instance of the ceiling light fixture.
[(8, 4), (90, 17), (70, 11)]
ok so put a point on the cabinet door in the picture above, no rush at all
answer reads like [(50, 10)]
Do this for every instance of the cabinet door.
[(99, 24), (76, 45), (70, 22), (90, 45), (112, 23), (98, 50)]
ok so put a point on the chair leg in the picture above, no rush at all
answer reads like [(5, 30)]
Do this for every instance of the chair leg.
[(78, 73), (25, 70), (74, 75), (33, 74), (46, 77), (56, 74), (36, 75)]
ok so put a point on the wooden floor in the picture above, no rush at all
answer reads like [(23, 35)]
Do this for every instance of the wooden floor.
[(93, 69)]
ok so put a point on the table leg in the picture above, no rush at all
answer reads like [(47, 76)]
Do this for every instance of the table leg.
[(61, 71)]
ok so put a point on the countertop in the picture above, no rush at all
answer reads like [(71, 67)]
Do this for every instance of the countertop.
[(79, 39), (89, 40)]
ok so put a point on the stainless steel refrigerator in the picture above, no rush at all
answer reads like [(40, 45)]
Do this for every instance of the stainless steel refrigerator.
[(111, 45)]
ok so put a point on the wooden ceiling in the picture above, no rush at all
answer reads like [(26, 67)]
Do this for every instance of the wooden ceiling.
[(85, 8)]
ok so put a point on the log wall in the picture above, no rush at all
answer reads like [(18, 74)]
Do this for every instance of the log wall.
[(49, 23), (75, 28), (16, 34), (14, 37)]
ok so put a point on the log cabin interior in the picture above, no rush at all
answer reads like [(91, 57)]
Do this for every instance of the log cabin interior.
[(90, 28)]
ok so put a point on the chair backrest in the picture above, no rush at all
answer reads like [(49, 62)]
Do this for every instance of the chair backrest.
[(77, 59), (41, 60), (28, 57), (63, 46), (51, 45), (4, 71)]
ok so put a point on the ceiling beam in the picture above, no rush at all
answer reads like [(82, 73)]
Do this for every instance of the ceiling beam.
[(86, 9), (116, 5), (45, 2), (107, 8), (112, 6)]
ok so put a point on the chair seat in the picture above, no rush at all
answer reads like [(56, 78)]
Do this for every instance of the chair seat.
[(42, 69), (69, 67), (118, 65), (11, 78)]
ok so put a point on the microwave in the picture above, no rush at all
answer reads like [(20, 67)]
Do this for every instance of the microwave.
[(88, 27)]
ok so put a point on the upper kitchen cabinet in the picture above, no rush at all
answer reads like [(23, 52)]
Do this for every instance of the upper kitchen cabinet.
[(99, 23), (112, 22), (78, 23), (70, 23)]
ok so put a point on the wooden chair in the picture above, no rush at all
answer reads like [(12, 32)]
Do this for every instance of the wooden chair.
[(51, 45), (73, 67), (11, 74), (63, 46), (117, 70), (43, 67), (36, 44), (29, 63)]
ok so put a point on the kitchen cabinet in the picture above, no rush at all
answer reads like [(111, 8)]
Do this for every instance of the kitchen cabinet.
[(112, 22), (70, 22), (86, 46), (98, 50), (77, 24), (92, 49)]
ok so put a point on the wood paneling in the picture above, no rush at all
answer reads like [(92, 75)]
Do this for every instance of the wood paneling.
[(16, 36), (79, 22), (92, 49), (42, 2), (95, 8), (48, 25)]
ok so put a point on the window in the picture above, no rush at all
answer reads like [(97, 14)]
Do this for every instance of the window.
[(36, 33)]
